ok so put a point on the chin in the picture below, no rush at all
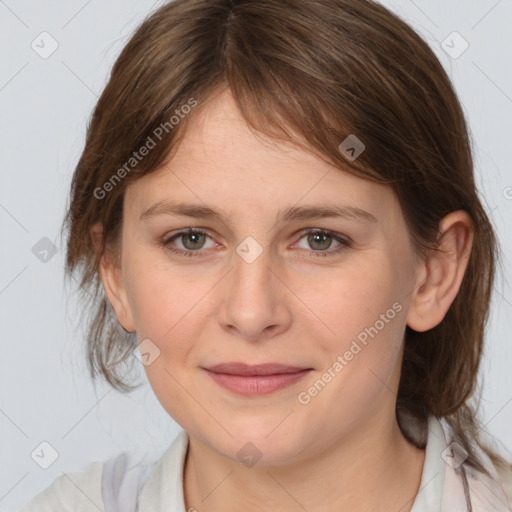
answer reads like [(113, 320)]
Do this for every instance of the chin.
[(258, 443)]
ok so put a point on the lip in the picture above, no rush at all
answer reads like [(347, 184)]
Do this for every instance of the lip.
[(260, 379)]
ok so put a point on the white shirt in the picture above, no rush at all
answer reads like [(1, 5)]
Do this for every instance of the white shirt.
[(124, 484)]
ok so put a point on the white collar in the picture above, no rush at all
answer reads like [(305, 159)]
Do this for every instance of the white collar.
[(164, 487)]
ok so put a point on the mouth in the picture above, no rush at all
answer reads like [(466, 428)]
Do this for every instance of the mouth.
[(261, 379)]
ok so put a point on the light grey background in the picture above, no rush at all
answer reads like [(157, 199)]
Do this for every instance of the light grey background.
[(46, 394)]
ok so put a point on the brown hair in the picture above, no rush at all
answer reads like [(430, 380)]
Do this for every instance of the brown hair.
[(312, 72)]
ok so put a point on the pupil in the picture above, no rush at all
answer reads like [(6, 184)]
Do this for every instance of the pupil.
[(319, 238), (196, 240)]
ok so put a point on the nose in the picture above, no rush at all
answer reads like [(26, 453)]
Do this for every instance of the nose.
[(255, 303)]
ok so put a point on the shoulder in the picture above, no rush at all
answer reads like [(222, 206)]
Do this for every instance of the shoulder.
[(505, 476), (80, 490), (448, 482), (122, 481), (490, 491), (163, 489), (112, 485)]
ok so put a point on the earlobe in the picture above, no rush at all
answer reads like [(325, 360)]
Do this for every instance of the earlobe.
[(441, 272), (112, 280)]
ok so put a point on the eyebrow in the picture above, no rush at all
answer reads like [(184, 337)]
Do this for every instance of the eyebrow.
[(289, 214)]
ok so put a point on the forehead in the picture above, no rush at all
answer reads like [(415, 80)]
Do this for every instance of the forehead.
[(221, 162), (219, 133)]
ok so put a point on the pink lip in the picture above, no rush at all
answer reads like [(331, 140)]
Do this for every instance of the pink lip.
[(255, 379)]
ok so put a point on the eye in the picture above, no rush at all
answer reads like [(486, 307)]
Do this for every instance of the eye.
[(188, 241), (320, 241)]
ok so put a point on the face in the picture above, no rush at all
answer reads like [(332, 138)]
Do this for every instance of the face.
[(243, 250)]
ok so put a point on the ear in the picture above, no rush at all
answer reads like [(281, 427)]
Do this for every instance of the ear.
[(441, 272), (113, 284)]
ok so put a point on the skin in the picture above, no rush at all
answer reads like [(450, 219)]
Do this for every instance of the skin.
[(343, 450)]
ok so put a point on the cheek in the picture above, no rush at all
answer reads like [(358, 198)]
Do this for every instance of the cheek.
[(362, 315), (170, 310), (164, 299), (349, 300)]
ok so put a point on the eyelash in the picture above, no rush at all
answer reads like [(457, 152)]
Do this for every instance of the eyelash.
[(344, 243)]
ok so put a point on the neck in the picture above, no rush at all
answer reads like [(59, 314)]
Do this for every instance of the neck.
[(374, 469)]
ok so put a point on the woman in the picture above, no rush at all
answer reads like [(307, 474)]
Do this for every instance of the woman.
[(276, 203)]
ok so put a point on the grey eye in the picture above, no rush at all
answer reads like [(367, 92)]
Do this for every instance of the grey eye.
[(319, 241), (193, 240)]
